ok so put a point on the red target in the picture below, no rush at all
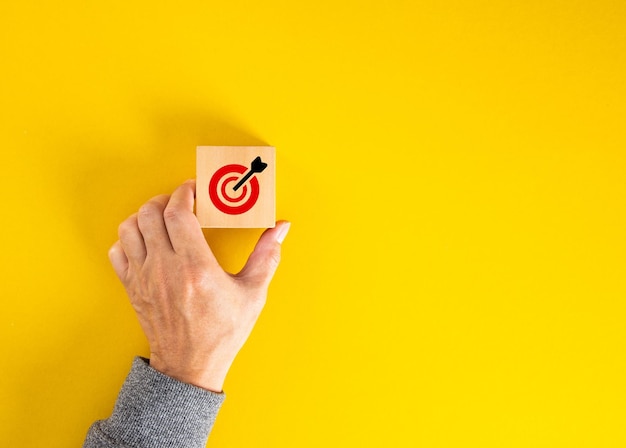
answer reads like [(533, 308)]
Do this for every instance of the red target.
[(227, 192)]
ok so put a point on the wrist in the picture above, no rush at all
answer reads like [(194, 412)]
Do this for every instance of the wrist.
[(210, 377)]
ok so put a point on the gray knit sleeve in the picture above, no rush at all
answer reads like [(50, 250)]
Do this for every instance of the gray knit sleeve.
[(154, 410)]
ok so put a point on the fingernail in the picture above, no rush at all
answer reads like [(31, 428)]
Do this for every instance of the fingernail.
[(282, 232)]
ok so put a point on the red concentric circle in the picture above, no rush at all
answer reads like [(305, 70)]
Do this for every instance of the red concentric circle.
[(228, 194), (225, 194)]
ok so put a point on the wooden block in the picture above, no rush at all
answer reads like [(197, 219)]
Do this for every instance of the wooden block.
[(235, 186)]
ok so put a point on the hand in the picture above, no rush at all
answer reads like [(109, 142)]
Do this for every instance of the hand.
[(195, 315)]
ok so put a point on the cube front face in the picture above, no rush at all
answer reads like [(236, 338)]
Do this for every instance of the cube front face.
[(235, 186)]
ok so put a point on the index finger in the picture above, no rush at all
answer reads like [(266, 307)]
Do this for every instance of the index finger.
[(182, 225)]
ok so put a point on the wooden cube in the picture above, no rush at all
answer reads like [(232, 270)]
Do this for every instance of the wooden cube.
[(236, 186)]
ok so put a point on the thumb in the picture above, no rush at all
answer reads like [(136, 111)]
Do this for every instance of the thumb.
[(265, 257)]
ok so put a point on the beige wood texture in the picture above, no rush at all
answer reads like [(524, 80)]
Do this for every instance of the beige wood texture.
[(229, 210)]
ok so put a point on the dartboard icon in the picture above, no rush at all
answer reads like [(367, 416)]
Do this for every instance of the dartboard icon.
[(234, 189)]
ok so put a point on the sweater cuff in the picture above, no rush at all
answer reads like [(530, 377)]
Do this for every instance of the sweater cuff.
[(154, 410)]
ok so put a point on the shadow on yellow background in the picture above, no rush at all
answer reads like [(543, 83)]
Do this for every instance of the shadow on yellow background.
[(454, 172)]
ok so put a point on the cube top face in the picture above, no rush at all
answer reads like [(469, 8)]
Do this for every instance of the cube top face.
[(236, 186)]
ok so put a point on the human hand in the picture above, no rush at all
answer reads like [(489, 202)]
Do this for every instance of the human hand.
[(195, 315)]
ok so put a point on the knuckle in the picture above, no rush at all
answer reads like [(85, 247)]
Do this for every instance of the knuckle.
[(172, 213), (127, 226), (114, 250), (148, 210)]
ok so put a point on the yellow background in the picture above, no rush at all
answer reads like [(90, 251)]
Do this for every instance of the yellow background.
[(454, 172)]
